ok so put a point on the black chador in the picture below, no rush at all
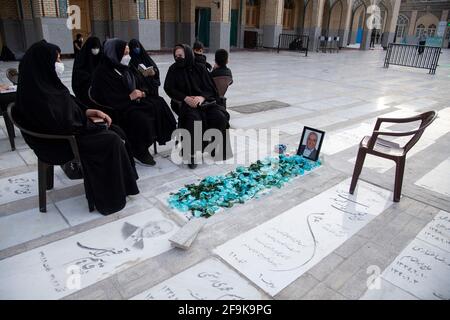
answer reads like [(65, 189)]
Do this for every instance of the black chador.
[(186, 78), (45, 105), (84, 65), (143, 119)]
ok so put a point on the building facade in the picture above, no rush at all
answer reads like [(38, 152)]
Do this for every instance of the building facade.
[(160, 24), (419, 17)]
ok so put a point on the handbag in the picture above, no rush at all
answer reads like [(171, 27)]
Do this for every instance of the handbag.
[(73, 170)]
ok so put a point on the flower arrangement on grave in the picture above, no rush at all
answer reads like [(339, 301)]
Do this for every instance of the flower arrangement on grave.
[(244, 183)]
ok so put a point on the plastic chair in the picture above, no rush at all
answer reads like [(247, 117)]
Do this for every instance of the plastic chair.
[(13, 76), (390, 150), (45, 170)]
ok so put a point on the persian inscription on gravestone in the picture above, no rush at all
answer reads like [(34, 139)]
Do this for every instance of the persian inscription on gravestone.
[(422, 270), (276, 253), (208, 280)]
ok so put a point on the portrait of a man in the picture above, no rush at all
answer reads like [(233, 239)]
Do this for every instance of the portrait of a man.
[(311, 143)]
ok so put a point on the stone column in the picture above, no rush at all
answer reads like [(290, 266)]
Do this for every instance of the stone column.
[(316, 24), (347, 17), (242, 22), (145, 24), (273, 23), (186, 21), (11, 27), (389, 32), (220, 25), (411, 35), (169, 17), (49, 25), (100, 19)]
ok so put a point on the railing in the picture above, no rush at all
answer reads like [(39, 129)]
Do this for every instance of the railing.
[(415, 56), (328, 43), (293, 42)]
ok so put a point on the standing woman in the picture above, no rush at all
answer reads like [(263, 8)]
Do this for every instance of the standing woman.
[(77, 44), (83, 68), (114, 85), (45, 105), (191, 84)]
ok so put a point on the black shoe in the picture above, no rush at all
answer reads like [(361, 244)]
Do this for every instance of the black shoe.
[(145, 158), (192, 165)]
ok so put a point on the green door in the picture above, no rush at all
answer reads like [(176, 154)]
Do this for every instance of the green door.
[(202, 20), (234, 28)]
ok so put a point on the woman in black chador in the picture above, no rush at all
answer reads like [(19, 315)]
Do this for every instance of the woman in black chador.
[(83, 68), (148, 79), (190, 83), (143, 116), (45, 105)]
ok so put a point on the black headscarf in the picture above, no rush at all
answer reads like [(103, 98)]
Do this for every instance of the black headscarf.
[(113, 54), (44, 104), (86, 60), (196, 76), (143, 58), (84, 65)]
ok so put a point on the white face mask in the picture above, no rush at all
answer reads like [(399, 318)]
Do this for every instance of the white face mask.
[(95, 51), (126, 60), (59, 68)]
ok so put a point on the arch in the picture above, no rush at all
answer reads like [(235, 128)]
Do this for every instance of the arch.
[(420, 29), (289, 14), (427, 20), (402, 27), (357, 24), (431, 30)]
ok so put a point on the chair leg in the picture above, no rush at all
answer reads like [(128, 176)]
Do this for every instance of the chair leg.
[(357, 170), (155, 147), (10, 129), (42, 181), (50, 177), (399, 172)]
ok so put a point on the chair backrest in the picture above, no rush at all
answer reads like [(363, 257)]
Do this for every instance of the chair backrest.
[(70, 139), (12, 75), (222, 84), (426, 119)]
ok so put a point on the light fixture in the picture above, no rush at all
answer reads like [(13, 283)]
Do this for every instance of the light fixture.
[(217, 3)]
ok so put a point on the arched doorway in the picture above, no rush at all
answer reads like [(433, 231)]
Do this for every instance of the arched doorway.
[(357, 23), (402, 29)]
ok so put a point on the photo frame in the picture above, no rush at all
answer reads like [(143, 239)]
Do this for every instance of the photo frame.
[(316, 139)]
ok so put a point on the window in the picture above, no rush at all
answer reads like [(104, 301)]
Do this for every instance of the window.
[(288, 14), (420, 30), (402, 24), (431, 30), (142, 6), (252, 13), (62, 8)]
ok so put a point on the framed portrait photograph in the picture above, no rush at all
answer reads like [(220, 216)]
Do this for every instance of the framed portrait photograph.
[(311, 143)]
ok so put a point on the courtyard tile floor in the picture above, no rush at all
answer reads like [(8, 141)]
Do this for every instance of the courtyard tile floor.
[(308, 240)]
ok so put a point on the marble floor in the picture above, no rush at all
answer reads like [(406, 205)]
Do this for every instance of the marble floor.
[(308, 240)]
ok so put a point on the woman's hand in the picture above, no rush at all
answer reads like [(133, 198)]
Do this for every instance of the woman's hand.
[(96, 115), (191, 102), (137, 94), (199, 100)]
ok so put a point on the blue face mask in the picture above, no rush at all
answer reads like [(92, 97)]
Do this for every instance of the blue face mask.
[(137, 50)]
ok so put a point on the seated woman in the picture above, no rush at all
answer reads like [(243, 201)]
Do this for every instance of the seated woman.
[(142, 116), (84, 65), (45, 105), (190, 83)]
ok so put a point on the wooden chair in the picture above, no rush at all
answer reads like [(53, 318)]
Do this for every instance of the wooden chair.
[(113, 114), (390, 150), (45, 170)]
